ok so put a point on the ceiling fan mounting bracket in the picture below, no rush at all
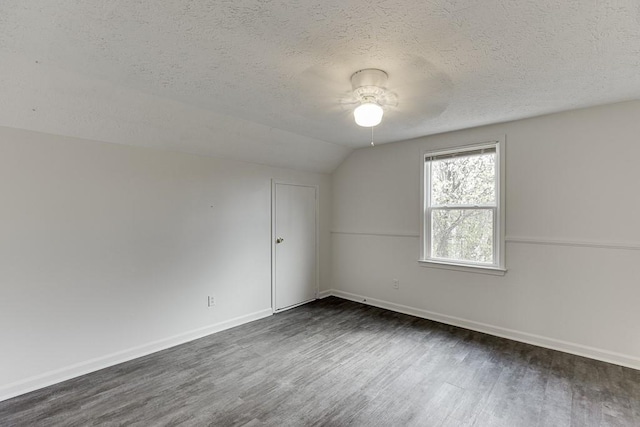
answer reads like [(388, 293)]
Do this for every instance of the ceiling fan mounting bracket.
[(369, 77)]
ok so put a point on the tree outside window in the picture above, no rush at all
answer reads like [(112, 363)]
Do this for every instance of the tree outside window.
[(462, 202)]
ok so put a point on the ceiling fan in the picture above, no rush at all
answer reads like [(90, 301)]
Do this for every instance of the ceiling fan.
[(369, 90), (407, 91)]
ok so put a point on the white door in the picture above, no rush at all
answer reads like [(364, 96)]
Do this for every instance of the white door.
[(294, 235)]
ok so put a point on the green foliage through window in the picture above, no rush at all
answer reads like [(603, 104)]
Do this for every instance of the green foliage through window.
[(462, 206)]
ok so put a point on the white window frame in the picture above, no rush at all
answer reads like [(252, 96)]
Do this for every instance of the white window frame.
[(498, 266)]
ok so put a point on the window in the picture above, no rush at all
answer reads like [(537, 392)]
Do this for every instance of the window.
[(463, 215)]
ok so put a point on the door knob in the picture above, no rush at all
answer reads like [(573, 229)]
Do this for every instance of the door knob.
[(279, 240)]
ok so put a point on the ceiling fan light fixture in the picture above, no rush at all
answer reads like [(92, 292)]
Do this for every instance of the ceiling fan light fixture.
[(368, 114), (369, 87)]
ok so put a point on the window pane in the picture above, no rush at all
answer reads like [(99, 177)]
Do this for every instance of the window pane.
[(462, 234), (465, 180)]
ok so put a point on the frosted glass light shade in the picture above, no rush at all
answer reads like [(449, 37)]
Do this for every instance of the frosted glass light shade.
[(368, 114)]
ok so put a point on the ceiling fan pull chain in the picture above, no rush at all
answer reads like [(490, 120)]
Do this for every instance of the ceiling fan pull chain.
[(372, 144)]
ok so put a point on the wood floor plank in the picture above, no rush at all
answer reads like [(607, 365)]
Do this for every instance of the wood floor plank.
[(337, 363)]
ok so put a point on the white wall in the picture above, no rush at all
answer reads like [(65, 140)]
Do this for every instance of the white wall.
[(573, 238), (109, 251)]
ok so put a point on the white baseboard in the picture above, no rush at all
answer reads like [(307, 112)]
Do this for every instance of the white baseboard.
[(82, 368), (525, 337), (324, 294), (53, 377)]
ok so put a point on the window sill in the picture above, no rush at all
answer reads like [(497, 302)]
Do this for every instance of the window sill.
[(481, 269)]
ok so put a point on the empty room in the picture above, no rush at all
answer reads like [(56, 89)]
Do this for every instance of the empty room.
[(298, 213)]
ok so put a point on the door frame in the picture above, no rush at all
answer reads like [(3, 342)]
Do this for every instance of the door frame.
[(316, 188)]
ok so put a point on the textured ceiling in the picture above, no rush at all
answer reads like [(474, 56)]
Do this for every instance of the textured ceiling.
[(267, 81)]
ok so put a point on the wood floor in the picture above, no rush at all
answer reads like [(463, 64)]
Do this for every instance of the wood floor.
[(338, 363)]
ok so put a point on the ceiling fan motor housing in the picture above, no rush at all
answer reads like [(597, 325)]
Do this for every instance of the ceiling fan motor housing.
[(369, 84)]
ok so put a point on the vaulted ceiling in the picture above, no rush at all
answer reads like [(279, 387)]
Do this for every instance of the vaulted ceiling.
[(266, 81)]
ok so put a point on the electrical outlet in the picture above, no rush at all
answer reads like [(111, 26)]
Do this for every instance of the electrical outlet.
[(395, 284), (211, 301)]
